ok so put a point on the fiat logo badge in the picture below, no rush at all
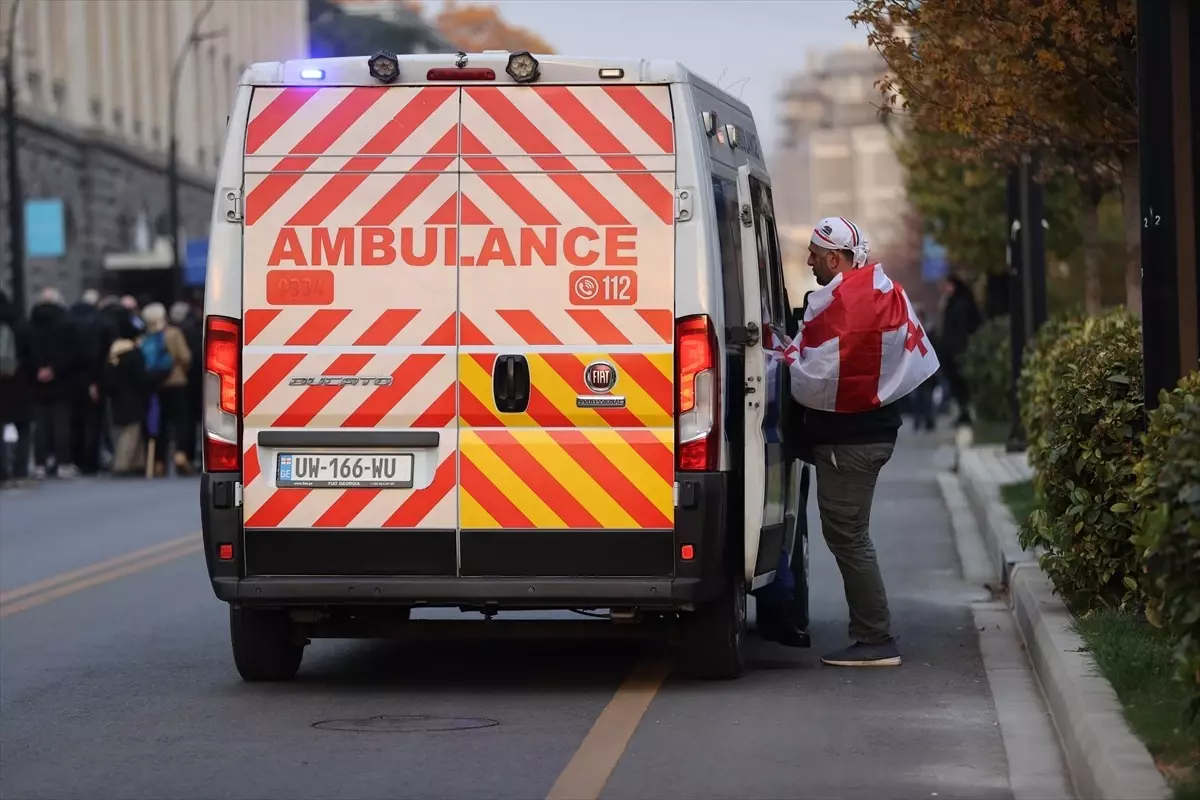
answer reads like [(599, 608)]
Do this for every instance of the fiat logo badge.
[(600, 377)]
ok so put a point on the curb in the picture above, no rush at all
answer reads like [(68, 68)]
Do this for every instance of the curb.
[(1105, 759), (1000, 531)]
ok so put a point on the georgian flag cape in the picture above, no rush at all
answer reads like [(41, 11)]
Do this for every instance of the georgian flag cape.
[(860, 345)]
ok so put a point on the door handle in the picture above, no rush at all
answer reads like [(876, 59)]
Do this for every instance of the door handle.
[(511, 384)]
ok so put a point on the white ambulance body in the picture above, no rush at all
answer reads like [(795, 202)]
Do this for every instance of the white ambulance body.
[(485, 332)]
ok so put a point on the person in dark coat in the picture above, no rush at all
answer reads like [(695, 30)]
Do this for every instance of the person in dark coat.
[(127, 386), (960, 319), (87, 415), (16, 396), (52, 348)]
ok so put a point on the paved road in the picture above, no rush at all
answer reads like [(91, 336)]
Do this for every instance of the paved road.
[(126, 688)]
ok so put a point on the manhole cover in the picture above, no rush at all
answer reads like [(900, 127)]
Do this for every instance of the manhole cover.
[(409, 723)]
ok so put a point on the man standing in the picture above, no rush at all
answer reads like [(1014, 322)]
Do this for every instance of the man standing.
[(54, 354), (960, 320), (860, 349)]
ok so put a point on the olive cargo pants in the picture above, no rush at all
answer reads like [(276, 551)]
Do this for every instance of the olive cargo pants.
[(846, 476)]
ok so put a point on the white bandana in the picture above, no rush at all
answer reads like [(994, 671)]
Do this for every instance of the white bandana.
[(839, 233)]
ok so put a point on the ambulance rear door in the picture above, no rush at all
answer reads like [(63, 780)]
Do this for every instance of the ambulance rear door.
[(567, 324), (350, 300)]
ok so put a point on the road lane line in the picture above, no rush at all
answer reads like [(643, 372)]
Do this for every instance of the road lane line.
[(82, 572), (56, 589), (589, 769)]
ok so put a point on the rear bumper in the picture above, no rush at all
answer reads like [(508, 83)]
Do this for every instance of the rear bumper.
[(528, 569)]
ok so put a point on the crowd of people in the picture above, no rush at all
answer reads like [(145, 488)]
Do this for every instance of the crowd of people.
[(108, 384)]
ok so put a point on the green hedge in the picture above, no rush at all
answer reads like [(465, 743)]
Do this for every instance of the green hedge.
[(1169, 491), (1042, 369), (1086, 452), (987, 369)]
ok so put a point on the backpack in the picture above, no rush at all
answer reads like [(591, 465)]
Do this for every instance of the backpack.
[(8, 351), (159, 361)]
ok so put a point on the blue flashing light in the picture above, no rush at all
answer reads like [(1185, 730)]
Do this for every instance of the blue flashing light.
[(312, 74)]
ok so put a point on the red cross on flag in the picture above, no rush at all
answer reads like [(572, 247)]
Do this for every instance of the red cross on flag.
[(861, 345)]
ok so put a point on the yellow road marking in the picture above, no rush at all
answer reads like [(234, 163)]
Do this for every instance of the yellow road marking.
[(35, 594), (589, 769)]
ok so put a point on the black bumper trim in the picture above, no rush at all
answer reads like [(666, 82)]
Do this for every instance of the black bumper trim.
[(501, 592), (357, 552), (645, 553)]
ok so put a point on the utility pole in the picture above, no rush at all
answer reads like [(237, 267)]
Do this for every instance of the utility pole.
[(194, 38), (1027, 279), (16, 198)]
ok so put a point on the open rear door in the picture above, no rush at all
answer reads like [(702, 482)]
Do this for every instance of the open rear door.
[(567, 324), (759, 572), (350, 293)]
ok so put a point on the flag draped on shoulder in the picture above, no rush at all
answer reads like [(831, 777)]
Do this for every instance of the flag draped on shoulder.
[(860, 345)]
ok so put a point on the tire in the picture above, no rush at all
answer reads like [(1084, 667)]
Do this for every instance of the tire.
[(713, 644), (264, 645)]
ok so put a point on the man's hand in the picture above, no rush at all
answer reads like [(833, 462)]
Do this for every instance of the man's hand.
[(45, 375), (94, 393)]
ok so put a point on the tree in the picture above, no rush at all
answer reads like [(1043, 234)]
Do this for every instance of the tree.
[(475, 28), (961, 202), (1010, 76)]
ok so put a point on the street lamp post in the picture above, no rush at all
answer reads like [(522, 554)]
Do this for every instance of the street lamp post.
[(16, 200), (1027, 276), (194, 38)]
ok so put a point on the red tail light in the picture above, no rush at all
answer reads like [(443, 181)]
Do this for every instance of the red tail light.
[(697, 383), (222, 394)]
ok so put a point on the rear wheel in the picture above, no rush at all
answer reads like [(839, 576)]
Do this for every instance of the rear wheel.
[(265, 647), (714, 636)]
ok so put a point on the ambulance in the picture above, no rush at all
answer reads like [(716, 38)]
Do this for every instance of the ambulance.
[(486, 332)]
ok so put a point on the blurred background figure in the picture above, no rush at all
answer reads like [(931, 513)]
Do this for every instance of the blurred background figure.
[(16, 403), (87, 411), (168, 359), (126, 386), (186, 317), (56, 356), (960, 319)]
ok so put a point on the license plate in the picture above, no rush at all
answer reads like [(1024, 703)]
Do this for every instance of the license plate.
[(345, 470)]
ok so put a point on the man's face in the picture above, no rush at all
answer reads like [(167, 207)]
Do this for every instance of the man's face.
[(825, 264)]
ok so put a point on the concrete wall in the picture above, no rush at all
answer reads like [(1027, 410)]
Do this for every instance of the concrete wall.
[(105, 186)]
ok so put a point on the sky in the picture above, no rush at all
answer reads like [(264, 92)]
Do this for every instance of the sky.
[(748, 47)]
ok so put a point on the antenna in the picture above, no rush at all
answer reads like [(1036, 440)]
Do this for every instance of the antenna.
[(743, 83)]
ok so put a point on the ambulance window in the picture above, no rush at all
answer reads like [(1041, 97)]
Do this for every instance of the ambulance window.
[(770, 266), (725, 196)]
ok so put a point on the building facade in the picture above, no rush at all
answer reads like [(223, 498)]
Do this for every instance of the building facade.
[(93, 81), (837, 157)]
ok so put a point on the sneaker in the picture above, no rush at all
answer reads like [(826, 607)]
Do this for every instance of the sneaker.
[(67, 471), (861, 654)]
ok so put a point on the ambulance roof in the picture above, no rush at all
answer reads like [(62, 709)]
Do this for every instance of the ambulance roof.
[(353, 71)]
